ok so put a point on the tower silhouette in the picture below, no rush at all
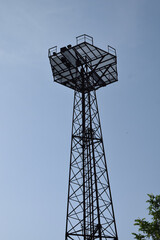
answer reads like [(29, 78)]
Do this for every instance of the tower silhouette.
[(85, 68)]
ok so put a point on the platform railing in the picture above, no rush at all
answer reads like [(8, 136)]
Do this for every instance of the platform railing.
[(84, 38)]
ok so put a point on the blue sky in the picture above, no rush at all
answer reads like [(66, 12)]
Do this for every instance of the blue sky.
[(36, 114)]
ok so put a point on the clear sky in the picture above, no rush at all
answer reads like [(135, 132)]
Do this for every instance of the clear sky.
[(36, 114)]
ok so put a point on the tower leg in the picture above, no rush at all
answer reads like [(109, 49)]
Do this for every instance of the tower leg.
[(90, 213)]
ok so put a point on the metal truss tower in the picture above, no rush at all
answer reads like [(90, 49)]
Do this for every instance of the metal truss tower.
[(85, 68)]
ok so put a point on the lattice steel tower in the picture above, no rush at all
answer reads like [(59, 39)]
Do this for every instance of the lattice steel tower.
[(85, 68)]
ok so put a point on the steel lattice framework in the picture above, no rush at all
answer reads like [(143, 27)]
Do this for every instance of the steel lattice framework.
[(90, 213)]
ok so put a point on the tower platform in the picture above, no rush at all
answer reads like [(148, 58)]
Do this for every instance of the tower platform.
[(95, 66)]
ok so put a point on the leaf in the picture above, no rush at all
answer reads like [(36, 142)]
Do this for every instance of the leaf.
[(150, 229)]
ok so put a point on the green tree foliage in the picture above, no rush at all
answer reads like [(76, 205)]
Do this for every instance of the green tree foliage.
[(150, 230)]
